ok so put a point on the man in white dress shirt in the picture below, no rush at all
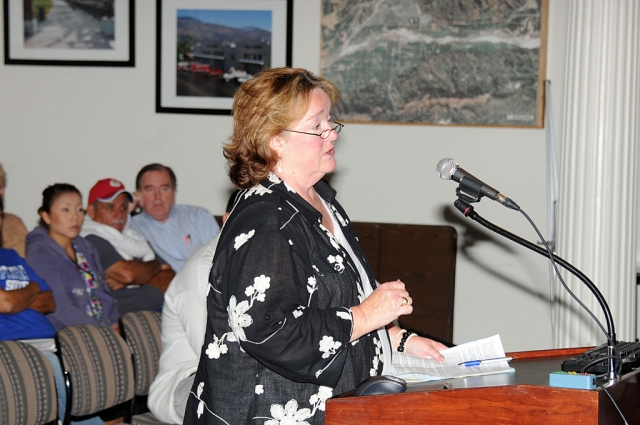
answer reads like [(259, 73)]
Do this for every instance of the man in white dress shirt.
[(184, 318)]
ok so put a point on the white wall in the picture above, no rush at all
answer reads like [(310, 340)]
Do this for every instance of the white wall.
[(80, 124)]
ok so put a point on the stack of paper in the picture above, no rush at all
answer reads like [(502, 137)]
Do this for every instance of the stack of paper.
[(410, 367)]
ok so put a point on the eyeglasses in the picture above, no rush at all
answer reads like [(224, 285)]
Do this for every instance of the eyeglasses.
[(325, 133)]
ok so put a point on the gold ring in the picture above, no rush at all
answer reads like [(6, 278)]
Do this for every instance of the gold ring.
[(405, 300)]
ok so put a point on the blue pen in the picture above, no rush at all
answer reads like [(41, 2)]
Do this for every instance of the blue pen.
[(485, 361)]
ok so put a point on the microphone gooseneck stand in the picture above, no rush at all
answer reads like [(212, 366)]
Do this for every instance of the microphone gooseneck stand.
[(464, 206)]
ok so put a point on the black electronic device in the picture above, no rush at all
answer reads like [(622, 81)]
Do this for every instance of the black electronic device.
[(629, 353), (385, 384)]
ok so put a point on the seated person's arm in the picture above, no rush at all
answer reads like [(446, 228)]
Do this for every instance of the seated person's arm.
[(44, 303), (15, 301), (133, 272), (163, 278), (119, 272)]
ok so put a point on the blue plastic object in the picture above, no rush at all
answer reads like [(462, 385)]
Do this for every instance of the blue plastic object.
[(580, 381)]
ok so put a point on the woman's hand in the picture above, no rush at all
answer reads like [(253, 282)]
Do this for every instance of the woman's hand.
[(425, 347), (389, 301), (416, 345)]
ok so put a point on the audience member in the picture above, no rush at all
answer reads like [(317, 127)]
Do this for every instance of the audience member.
[(136, 276), (69, 264), (25, 298), (174, 231), (14, 232), (183, 324)]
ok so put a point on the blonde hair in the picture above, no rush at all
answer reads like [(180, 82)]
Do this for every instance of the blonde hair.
[(262, 107)]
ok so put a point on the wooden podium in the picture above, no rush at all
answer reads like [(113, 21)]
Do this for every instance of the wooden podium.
[(523, 398)]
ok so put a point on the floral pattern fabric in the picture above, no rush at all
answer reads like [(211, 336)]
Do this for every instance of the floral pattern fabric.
[(279, 321), (94, 305)]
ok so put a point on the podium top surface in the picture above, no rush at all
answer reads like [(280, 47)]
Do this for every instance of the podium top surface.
[(523, 397)]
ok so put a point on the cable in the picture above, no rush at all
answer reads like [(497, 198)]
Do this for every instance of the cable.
[(463, 205), (599, 359), (614, 404), (612, 343), (467, 210), (555, 267)]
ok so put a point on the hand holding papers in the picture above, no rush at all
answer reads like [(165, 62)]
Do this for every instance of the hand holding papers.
[(411, 367)]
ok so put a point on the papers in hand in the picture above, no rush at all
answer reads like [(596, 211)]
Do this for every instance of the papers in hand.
[(410, 367)]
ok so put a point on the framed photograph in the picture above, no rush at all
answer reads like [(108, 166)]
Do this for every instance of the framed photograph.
[(207, 48), (69, 32), (440, 62)]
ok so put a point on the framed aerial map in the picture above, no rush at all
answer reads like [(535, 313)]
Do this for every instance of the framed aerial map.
[(440, 62)]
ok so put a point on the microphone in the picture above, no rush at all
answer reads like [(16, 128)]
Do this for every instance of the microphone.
[(448, 169)]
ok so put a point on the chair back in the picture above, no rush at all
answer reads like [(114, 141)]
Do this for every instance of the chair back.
[(424, 258), (143, 332), (27, 385), (99, 367)]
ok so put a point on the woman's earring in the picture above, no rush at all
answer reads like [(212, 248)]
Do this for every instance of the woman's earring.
[(280, 169)]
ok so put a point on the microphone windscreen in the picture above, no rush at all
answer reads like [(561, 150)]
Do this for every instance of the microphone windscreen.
[(446, 167)]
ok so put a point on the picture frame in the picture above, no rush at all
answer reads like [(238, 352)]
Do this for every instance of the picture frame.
[(207, 48), (438, 62), (69, 32)]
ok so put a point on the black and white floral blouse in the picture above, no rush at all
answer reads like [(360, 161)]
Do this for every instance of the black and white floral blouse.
[(277, 339)]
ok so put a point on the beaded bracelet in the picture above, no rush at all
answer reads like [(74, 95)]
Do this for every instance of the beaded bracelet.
[(404, 340), (406, 343), (395, 339)]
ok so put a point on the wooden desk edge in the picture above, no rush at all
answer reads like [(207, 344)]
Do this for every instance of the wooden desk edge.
[(559, 352), (522, 404)]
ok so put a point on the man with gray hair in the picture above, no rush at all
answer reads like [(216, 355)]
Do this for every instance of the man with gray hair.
[(184, 318)]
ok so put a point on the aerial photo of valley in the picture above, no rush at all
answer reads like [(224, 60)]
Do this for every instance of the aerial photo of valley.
[(447, 62)]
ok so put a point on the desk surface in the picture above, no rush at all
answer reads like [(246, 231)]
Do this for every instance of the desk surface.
[(532, 368), (523, 397)]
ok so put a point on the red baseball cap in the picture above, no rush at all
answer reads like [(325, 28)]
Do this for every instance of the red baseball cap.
[(106, 190)]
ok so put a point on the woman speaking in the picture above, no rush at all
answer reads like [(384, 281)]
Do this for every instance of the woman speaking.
[(294, 313)]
